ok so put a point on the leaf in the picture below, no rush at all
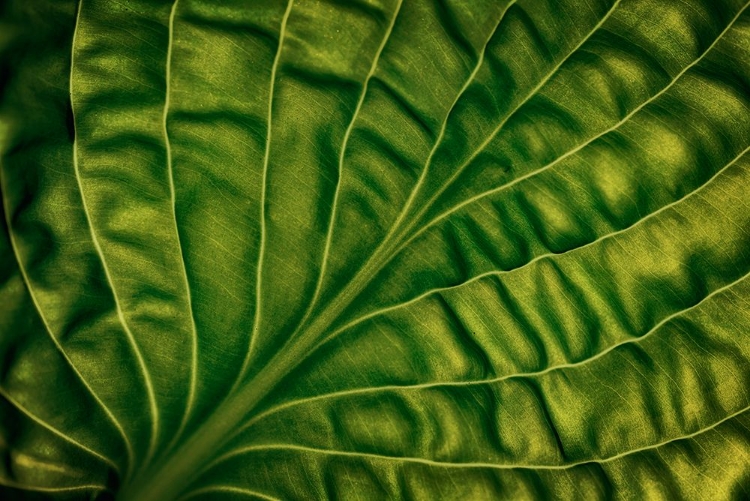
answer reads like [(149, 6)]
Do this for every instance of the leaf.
[(394, 249)]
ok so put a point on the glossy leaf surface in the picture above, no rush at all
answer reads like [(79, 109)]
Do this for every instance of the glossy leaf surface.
[(375, 249)]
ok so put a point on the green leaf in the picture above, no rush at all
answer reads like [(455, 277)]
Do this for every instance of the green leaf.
[(376, 249)]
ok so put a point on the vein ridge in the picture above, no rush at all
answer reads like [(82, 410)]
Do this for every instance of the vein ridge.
[(230, 489), (507, 117), (345, 143)]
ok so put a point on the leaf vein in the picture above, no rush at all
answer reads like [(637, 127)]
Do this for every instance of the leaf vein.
[(36, 419), (153, 409), (173, 198), (562, 157), (541, 257), (345, 143), (228, 489), (520, 375), (266, 157), (445, 464)]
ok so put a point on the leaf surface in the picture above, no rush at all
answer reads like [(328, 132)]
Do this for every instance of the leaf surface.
[(393, 249)]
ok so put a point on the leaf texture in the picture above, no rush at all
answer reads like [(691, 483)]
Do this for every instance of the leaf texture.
[(375, 249)]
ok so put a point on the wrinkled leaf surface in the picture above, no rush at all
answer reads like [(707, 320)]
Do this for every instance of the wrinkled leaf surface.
[(375, 249)]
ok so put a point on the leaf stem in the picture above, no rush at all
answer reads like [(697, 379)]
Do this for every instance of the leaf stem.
[(171, 476)]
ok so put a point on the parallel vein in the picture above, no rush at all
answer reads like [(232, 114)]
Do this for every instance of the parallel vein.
[(541, 257), (444, 124), (266, 157), (567, 154), (510, 114), (383, 252), (521, 375), (345, 143)]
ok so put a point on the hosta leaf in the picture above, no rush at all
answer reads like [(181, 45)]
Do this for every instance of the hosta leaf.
[(375, 249)]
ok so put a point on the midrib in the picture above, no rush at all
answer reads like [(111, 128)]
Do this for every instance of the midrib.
[(166, 480)]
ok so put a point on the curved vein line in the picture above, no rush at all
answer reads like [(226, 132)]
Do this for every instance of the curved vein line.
[(345, 143), (4, 394), (115, 422), (444, 464), (519, 375), (173, 197), (443, 127), (559, 159), (541, 257), (35, 488), (507, 117), (371, 263), (27, 283), (153, 409), (266, 157), (230, 489), (382, 253)]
